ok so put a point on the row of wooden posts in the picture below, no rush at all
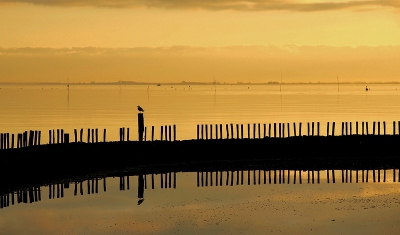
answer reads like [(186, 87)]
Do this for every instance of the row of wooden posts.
[(204, 131), (277, 130), (24, 139), (29, 195), (284, 176)]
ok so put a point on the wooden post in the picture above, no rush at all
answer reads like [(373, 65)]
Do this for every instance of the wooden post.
[(362, 128), (398, 127), (317, 128), (342, 128), (145, 133), (269, 130), (152, 132), (31, 137), (88, 135), (283, 130), (394, 127), (97, 135), (384, 128), (206, 131), (36, 141), (347, 128), (259, 130), (274, 130), (104, 135), (166, 132), (327, 129), (174, 132), (198, 131), (161, 136), (12, 141), (288, 129), (294, 129), (237, 131), (66, 138), (279, 130), (39, 137), (333, 128), (211, 131), (216, 131), (50, 137), (379, 128), (357, 128), (254, 130), (232, 134), (373, 129), (265, 129), (241, 128), (220, 131), (81, 135), (140, 126), (227, 131), (366, 127), (62, 136), (300, 129), (312, 130), (94, 136), (248, 131), (351, 127), (308, 129)]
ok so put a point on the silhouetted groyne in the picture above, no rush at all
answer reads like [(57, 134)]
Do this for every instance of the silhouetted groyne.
[(311, 152)]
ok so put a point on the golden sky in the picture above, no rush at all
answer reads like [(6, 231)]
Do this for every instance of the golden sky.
[(256, 40)]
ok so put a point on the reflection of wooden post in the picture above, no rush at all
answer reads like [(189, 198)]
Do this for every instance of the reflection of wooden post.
[(140, 126)]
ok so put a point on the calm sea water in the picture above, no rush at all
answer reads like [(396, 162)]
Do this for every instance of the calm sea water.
[(252, 202), (111, 107)]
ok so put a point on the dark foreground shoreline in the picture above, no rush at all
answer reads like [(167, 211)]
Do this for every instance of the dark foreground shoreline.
[(46, 164)]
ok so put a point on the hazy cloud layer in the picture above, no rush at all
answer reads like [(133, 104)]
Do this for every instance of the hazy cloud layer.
[(238, 5), (176, 64)]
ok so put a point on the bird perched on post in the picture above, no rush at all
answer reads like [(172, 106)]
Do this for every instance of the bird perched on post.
[(140, 109)]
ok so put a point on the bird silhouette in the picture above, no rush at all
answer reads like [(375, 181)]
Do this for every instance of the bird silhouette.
[(140, 109)]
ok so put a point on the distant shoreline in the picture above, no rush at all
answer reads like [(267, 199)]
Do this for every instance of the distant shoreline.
[(188, 83)]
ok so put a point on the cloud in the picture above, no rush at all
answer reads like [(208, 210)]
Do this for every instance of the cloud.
[(216, 5)]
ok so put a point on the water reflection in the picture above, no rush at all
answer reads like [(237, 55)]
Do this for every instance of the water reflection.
[(168, 180)]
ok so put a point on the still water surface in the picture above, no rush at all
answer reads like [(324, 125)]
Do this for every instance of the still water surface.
[(111, 107), (234, 202)]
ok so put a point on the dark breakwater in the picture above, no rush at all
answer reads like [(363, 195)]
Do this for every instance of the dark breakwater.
[(55, 161)]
